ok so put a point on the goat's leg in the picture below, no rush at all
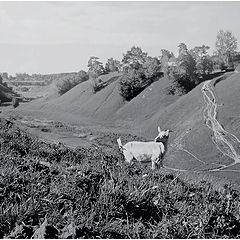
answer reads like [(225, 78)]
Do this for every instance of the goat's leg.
[(128, 157), (160, 162), (153, 165)]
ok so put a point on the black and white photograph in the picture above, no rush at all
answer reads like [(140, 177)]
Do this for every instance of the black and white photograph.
[(119, 119)]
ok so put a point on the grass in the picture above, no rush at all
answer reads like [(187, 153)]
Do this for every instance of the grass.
[(51, 191)]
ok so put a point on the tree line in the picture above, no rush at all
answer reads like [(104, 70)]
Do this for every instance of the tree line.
[(186, 70)]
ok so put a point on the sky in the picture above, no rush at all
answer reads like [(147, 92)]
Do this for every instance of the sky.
[(52, 37)]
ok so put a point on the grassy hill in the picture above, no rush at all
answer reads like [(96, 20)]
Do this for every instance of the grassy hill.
[(57, 192), (90, 192), (151, 100), (82, 102), (190, 141), (43, 85), (228, 94)]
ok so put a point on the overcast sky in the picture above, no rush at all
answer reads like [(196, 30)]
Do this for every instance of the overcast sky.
[(45, 37)]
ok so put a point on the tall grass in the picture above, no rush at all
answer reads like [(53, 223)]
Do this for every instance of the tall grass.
[(51, 191)]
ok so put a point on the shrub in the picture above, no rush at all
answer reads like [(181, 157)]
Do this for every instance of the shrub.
[(130, 87), (15, 102), (5, 84), (140, 71), (185, 82), (68, 82)]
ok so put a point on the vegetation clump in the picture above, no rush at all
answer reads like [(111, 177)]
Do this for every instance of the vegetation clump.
[(51, 191), (66, 83), (139, 71), (15, 102)]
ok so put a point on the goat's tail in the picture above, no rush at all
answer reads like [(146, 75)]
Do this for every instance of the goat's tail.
[(119, 143)]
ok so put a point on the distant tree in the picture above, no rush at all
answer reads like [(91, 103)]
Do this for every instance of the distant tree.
[(151, 68), (1, 79), (95, 67), (5, 75), (226, 44), (22, 76), (134, 59), (165, 59), (204, 63), (11, 77), (182, 49), (140, 70), (206, 66), (199, 52), (166, 53), (112, 65), (218, 62), (186, 63), (184, 75)]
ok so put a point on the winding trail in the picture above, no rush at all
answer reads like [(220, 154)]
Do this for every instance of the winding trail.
[(226, 142)]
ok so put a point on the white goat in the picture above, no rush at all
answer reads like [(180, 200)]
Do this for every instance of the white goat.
[(146, 151)]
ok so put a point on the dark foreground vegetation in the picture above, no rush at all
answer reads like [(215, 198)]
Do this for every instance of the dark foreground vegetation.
[(51, 191)]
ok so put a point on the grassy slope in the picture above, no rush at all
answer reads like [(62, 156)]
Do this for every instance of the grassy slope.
[(81, 102), (228, 93), (153, 99), (56, 192), (45, 92), (185, 118), (145, 112)]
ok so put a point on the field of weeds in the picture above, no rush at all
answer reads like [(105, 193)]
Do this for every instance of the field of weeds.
[(51, 191)]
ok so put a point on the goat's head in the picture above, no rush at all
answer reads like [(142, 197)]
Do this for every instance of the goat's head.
[(162, 135)]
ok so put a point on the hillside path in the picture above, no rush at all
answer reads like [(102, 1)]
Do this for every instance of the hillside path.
[(226, 142)]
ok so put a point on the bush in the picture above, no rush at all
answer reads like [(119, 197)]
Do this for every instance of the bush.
[(15, 102), (185, 82), (68, 82), (140, 70), (135, 81), (129, 88)]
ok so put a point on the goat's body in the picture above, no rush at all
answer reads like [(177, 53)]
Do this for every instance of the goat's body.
[(143, 152), (146, 151)]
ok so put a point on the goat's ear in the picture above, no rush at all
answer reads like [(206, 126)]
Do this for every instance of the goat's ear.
[(167, 133), (159, 129)]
